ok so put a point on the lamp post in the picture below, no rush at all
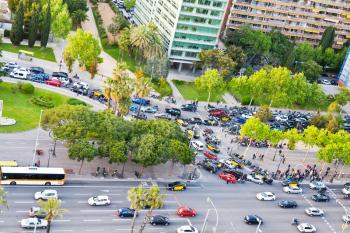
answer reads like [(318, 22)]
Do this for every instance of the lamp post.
[(207, 215), (37, 138)]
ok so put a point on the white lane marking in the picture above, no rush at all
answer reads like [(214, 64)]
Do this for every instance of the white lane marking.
[(61, 220), (21, 211), (87, 211), (90, 195), (24, 202), (92, 220), (63, 230), (121, 219), (19, 194), (97, 230), (85, 202), (189, 221), (1, 221)]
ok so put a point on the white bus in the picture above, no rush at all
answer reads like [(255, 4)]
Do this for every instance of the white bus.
[(32, 176)]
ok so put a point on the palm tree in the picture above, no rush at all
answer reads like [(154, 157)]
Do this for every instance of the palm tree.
[(139, 38), (78, 17), (155, 200), (52, 208), (107, 89), (3, 200), (142, 87), (136, 197)]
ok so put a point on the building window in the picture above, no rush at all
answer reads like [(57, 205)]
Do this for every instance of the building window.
[(204, 2)]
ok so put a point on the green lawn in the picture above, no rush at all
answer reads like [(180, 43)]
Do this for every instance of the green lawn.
[(17, 106), (114, 52), (41, 53), (189, 92)]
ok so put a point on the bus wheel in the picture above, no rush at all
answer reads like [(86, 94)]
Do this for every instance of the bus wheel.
[(13, 183), (47, 183)]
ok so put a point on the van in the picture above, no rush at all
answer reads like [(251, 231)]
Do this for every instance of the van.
[(198, 145), (19, 73)]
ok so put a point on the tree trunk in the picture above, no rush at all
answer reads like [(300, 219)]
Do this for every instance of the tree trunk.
[(133, 222), (123, 168), (274, 156), (307, 154), (171, 168), (48, 226), (246, 150), (146, 219), (142, 169), (208, 98), (109, 103), (81, 166)]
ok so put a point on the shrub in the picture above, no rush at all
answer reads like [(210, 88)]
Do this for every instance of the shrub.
[(42, 101), (74, 101), (162, 87), (27, 88), (246, 100), (19, 85)]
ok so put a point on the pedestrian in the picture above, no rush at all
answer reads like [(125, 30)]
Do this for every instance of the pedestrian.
[(262, 157), (283, 160), (254, 156), (226, 181), (231, 140)]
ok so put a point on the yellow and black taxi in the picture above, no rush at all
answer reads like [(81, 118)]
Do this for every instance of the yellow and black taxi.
[(237, 163), (177, 186), (213, 148), (181, 122)]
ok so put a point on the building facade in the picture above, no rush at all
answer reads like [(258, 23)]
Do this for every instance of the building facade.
[(344, 74), (302, 20), (186, 26)]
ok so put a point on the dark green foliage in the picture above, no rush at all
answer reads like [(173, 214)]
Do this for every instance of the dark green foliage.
[(42, 101), (327, 39), (16, 35), (33, 29), (27, 88), (45, 31), (74, 101)]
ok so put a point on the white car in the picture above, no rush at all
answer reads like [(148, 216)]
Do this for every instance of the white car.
[(99, 200), (162, 115), (227, 163), (20, 73), (325, 82), (292, 189), (81, 85), (32, 222), (317, 185), (266, 196), (281, 118), (46, 194), (187, 229), (313, 211), (346, 191), (306, 227), (346, 218), (255, 179)]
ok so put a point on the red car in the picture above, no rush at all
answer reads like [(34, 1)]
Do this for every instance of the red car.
[(227, 177), (186, 212), (210, 155), (54, 82), (218, 113)]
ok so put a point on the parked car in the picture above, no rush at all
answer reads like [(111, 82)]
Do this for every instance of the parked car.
[(19, 73), (210, 155), (59, 74), (141, 101), (209, 166), (150, 109), (54, 82), (162, 116), (195, 121), (189, 107), (36, 70), (173, 111), (40, 77), (227, 177)]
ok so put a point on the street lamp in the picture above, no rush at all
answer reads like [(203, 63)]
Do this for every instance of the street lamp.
[(207, 215), (37, 138)]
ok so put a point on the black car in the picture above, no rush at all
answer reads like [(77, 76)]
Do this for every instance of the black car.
[(253, 219), (36, 70), (80, 90), (189, 107), (288, 204), (173, 111), (195, 121), (347, 185), (236, 173), (177, 186), (267, 180), (159, 220), (126, 212), (209, 166), (320, 197)]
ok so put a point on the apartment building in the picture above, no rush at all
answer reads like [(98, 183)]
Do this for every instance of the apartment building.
[(344, 74), (302, 20), (186, 26)]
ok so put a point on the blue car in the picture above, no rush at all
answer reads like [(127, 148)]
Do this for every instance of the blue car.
[(126, 212), (134, 108), (41, 78), (141, 101), (36, 70)]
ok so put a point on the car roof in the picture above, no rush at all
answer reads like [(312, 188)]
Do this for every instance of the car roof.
[(102, 197), (268, 193)]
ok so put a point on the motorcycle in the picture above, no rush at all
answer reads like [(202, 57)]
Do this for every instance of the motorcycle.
[(294, 221)]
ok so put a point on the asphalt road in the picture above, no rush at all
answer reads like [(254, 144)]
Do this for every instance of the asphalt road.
[(232, 202)]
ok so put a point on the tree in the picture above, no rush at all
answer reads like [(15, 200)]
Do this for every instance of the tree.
[(343, 97), (124, 42), (311, 70), (107, 91), (309, 138), (3, 199), (210, 81), (157, 67), (52, 209), (129, 4), (78, 17), (13, 4), (84, 48), (327, 39), (68, 60), (217, 59), (16, 34), (61, 23), (136, 198), (46, 27), (254, 129), (237, 55), (81, 151), (179, 152), (118, 24), (155, 200), (293, 137), (142, 84), (281, 48), (275, 136), (33, 29), (75, 5), (264, 113)]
